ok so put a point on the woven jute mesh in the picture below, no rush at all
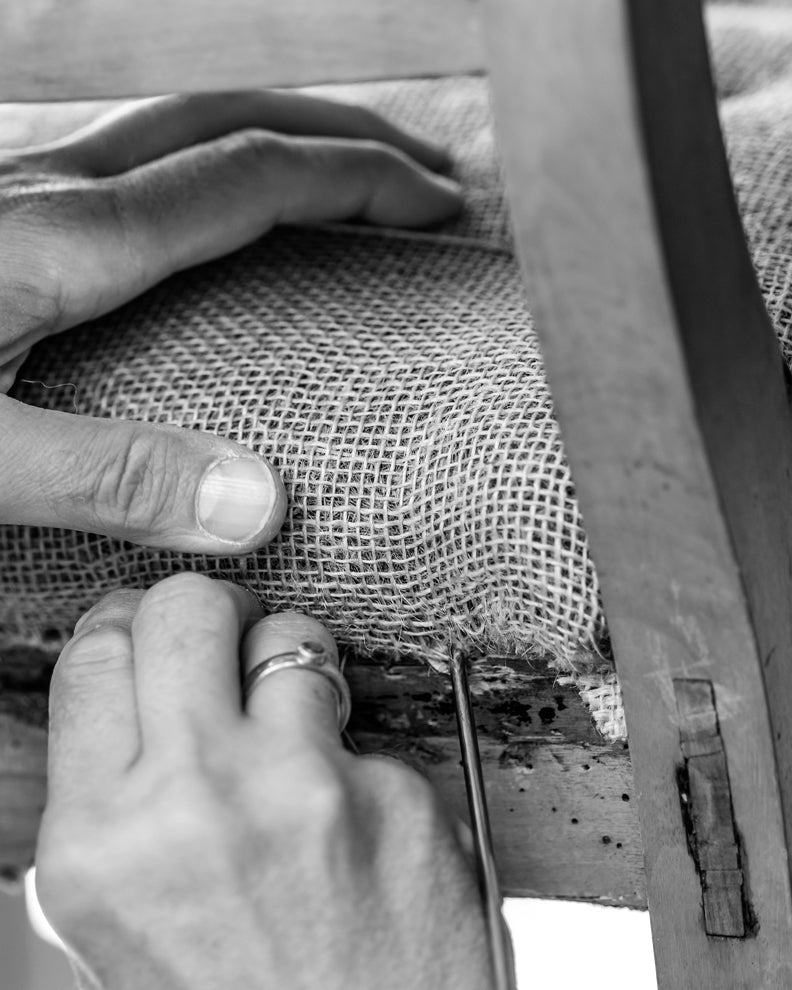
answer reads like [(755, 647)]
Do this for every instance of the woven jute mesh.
[(396, 382)]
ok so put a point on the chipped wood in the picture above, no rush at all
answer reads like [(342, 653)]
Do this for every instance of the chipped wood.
[(707, 807), (561, 798)]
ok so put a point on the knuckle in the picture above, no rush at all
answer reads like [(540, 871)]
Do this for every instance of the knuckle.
[(135, 204), (133, 487), (314, 796), (256, 147), (112, 212), (188, 823), (186, 808), (327, 802), (37, 302), (405, 791), (32, 282)]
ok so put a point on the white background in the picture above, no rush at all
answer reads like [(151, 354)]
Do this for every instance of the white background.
[(558, 944)]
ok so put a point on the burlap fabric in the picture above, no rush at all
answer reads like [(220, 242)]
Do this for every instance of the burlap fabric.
[(396, 381)]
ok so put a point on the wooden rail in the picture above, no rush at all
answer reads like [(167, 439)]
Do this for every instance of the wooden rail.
[(669, 387), (82, 49)]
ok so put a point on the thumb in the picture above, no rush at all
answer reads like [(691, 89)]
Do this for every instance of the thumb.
[(160, 486)]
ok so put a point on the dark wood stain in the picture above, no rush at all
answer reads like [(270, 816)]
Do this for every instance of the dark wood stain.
[(533, 767)]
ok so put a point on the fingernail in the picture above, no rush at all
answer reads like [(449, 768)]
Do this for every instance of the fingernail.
[(236, 499), (80, 623)]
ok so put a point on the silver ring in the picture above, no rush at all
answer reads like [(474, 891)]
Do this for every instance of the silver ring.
[(308, 656)]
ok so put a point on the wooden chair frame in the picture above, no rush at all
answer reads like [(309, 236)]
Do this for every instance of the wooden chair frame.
[(666, 376), (669, 386)]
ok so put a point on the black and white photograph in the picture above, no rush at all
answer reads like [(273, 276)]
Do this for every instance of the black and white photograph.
[(396, 495)]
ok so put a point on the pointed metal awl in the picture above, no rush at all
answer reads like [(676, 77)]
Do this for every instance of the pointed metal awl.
[(500, 946)]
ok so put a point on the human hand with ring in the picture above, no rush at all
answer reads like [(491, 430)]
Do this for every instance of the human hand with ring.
[(197, 837)]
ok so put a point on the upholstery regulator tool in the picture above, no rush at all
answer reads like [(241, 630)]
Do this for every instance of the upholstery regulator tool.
[(455, 667)]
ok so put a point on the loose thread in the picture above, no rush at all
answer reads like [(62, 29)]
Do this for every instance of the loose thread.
[(34, 381)]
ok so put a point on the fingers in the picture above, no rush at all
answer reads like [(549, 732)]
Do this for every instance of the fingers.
[(154, 485), (204, 202), (141, 132), (294, 707), (94, 732), (75, 248), (186, 636)]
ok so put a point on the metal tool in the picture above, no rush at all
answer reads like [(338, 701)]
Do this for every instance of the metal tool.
[(500, 946)]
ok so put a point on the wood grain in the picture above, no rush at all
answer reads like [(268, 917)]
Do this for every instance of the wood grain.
[(76, 49), (705, 791), (668, 384), (561, 799)]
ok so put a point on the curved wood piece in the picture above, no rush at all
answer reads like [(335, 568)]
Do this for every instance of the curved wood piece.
[(669, 386), (94, 49)]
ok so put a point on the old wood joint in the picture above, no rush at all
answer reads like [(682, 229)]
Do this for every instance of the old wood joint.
[(708, 814)]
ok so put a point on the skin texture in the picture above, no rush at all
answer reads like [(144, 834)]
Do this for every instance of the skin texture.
[(93, 218), (187, 843)]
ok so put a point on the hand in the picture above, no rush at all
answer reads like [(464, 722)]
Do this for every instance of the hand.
[(92, 219), (189, 844)]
